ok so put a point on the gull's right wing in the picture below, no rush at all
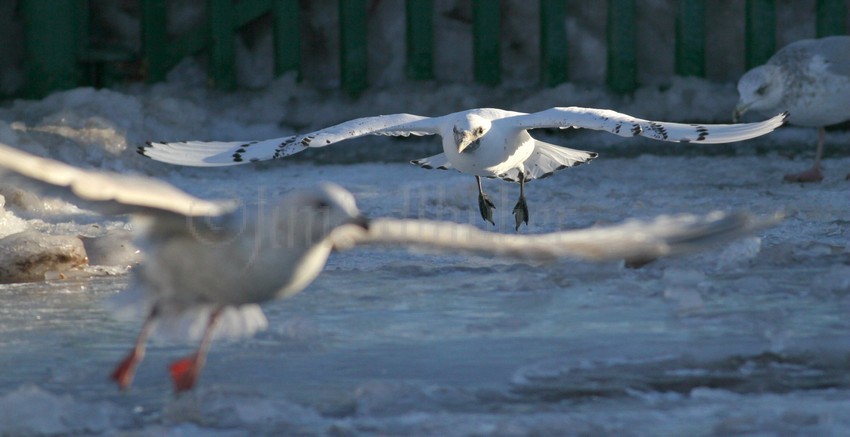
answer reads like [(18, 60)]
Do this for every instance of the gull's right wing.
[(635, 241), (217, 153)]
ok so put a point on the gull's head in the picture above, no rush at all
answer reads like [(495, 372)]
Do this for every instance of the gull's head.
[(468, 130), (760, 89), (320, 210)]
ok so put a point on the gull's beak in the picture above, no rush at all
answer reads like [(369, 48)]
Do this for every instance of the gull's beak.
[(740, 109), (463, 140)]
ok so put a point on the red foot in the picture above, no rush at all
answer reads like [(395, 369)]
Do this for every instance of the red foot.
[(184, 373), (811, 175), (124, 372)]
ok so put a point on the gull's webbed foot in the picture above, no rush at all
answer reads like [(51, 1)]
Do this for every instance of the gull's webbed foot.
[(811, 175), (521, 212), (486, 207)]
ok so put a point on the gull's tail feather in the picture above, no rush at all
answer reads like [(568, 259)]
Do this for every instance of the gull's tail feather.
[(438, 161), (546, 159)]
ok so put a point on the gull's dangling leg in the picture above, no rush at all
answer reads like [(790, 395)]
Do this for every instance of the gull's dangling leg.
[(485, 205), (813, 174), (521, 208), (126, 369), (184, 372)]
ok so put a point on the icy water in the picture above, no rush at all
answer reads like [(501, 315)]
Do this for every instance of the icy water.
[(746, 339)]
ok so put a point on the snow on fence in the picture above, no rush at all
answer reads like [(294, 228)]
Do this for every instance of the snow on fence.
[(58, 56)]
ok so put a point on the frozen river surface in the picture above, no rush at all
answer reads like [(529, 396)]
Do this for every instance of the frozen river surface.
[(750, 338)]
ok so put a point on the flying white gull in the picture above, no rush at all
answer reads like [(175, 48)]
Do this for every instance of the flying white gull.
[(809, 78), (486, 142), (212, 262)]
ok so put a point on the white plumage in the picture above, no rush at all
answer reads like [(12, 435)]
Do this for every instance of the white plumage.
[(484, 142)]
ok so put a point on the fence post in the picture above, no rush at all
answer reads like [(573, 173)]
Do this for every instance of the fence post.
[(420, 40), (554, 60), (486, 16), (222, 52), (50, 43), (622, 42), (831, 18), (760, 31), (154, 39), (690, 38), (287, 36), (352, 45)]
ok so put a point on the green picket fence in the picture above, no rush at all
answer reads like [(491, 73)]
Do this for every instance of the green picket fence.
[(58, 55)]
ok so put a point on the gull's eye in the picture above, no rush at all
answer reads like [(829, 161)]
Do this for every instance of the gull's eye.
[(761, 90), (479, 131), (321, 204)]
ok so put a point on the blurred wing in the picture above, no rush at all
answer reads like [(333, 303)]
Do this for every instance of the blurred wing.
[(109, 193), (633, 240), (627, 126), (215, 154)]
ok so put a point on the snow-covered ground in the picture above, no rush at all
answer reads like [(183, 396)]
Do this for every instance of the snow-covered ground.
[(751, 337)]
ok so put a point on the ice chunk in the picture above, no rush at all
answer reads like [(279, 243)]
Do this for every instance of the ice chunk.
[(682, 289), (29, 255), (30, 410)]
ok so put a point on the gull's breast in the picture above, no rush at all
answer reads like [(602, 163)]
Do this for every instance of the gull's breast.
[(496, 153)]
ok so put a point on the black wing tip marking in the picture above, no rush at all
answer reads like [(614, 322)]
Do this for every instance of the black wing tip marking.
[(702, 132), (636, 129), (785, 116), (659, 129)]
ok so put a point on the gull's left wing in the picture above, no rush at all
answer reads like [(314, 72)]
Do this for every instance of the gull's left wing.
[(635, 241), (218, 153), (627, 126)]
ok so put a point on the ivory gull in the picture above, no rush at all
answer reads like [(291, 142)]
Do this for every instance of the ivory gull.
[(487, 142)]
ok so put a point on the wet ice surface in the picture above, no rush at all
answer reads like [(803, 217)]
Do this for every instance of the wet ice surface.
[(750, 337)]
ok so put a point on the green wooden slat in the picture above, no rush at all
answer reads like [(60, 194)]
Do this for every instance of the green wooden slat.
[(191, 42), (352, 46), (553, 42), (247, 11), (155, 39), (50, 45), (760, 32), (690, 38), (831, 18), (222, 68), (287, 37), (622, 58), (485, 41), (420, 40)]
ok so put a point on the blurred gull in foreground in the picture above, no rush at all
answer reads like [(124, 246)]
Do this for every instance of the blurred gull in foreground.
[(809, 78), (212, 261), (487, 142)]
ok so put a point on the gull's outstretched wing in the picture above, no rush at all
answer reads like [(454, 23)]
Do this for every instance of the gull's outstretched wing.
[(105, 192), (216, 154), (635, 241), (627, 126)]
